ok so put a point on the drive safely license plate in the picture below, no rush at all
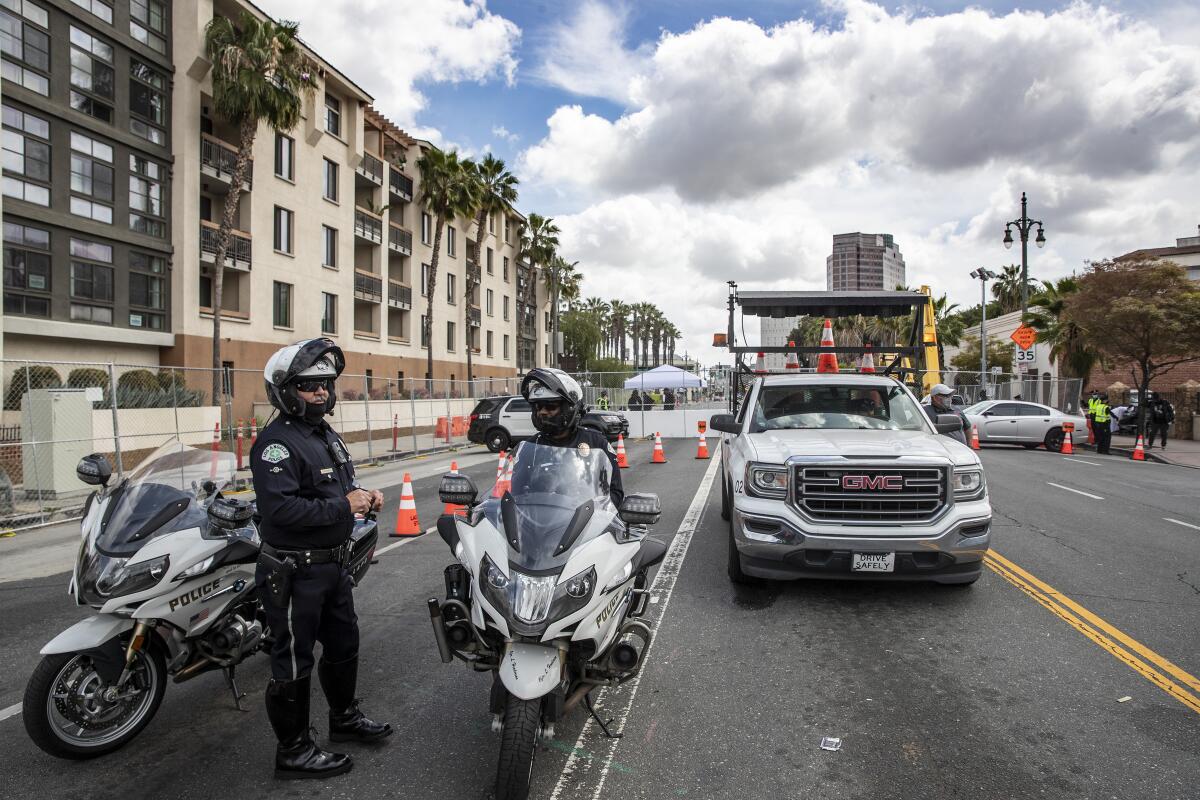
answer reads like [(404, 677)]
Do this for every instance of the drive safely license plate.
[(873, 562)]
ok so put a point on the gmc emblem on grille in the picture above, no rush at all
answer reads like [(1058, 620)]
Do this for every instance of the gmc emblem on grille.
[(861, 483)]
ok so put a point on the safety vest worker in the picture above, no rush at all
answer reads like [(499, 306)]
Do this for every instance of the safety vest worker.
[(1100, 417)]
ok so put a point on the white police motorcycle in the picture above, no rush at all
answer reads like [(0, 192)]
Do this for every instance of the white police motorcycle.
[(167, 563), (546, 593)]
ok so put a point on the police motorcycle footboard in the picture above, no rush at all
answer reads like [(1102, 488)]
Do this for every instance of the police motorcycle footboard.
[(167, 562), (545, 594)]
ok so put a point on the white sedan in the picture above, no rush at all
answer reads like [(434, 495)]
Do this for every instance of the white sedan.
[(1023, 423)]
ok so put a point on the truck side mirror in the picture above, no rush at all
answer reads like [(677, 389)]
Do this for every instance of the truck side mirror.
[(949, 423), (457, 489), (725, 423)]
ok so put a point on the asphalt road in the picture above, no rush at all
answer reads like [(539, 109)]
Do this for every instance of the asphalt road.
[(935, 692)]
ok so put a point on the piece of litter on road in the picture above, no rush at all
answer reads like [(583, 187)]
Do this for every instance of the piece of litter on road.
[(653, 599), (1124, 699), (831, 743)]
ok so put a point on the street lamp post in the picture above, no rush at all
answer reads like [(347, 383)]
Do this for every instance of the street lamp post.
[(1024, 225), (983, 274)]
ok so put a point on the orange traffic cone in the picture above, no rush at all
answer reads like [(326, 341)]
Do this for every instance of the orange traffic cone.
[(407, 523), (760, 368), (868, 361), (622, 459), (1139, 452), (659, 457), (827, 362), (454, 509), (974, 437), (1091, 433), (498, 488), (702, 449), (793, 361), (1068, 431)]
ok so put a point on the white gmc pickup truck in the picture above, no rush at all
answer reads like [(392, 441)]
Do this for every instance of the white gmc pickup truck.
[(845, 476)]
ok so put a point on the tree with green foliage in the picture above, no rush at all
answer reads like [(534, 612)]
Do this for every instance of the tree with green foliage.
[(999, 354), (27, 379), (539, 244), (259, 74), (495, 195), (1065, 339)]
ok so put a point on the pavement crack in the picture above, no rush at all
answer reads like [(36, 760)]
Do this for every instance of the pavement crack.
[(1040, 531), (1182, 578)]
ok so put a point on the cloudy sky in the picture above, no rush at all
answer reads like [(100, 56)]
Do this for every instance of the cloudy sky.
[(683, 143)]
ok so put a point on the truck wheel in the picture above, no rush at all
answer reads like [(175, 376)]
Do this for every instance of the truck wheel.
[(724, 497), (1054, 440), (518, 747), (735, 563), (497, 440)]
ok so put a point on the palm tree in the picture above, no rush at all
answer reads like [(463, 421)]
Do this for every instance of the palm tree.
[(1065, 338), (495, 193), (1007, 289), (259, 75), (447, 192), (539, 242), (562, 279), (618, 314)]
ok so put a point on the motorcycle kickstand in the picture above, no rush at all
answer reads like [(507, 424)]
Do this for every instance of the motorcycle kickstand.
[(587, 701), (231, 682)]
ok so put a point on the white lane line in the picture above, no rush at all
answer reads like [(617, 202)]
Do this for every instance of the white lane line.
[(1076, 491), (11, 711), (1081, 461), (402, 542), (577, 771), (1184, 524)]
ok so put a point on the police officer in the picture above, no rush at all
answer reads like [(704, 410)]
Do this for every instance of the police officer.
[(1093, 398), (1101, 417), (557, 401), (602, 401), (307, 498)]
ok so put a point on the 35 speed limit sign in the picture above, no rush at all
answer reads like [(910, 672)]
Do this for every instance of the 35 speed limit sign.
[(1027, 356)]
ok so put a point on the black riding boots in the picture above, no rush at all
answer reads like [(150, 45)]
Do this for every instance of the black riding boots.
[(339, 679), (297, 756)]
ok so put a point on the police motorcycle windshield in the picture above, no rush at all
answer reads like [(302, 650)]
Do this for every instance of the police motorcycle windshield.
[(550, 494), (169, 491)]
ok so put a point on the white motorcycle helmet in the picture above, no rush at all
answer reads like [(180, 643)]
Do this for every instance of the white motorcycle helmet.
[(311, 359)]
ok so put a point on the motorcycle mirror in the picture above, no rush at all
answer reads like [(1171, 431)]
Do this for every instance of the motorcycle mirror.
[(640, 509), (94, 470), (457, 489)]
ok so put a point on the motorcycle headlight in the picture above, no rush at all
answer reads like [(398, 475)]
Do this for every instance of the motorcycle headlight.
[(969, 484), (531, 596), (582, 584), (199, 568), (128, 579), (621, 577)]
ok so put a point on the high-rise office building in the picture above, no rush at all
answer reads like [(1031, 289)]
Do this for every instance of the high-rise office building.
[(864, 261)]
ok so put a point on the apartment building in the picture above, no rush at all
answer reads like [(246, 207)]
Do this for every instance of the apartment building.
[(864, 261), (87, 180)]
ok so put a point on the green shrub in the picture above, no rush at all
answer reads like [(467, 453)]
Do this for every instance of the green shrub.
[(87, 377), (27, 379)]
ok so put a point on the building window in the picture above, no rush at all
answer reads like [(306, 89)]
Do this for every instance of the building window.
[(282, 305), (147, 23), (450, 337), (26, 156), (507, 240), (147, 290), (91, 64), (424, 280), (505, 307), (450, 280), (26, 268), (426, 228), (285, 157), (91, 177), (283, 230), (451, 241), (146, 213), (491, 223), (20, 41), (489, 344), (91, 107), (148, 99), (329, 313), (331, 180), (98, 7), (91, 282), (505, 269), (333, 115), (424, 332), (100, 315), (506, 347), (489, 300), (331, 237)]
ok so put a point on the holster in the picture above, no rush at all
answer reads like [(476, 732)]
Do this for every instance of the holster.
[(279, 579)]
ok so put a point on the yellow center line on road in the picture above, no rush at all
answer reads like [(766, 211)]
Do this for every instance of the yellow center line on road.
[(1121, 646)]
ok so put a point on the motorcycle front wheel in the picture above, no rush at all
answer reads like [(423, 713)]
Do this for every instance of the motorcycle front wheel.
[(518, 748), (70, 712)]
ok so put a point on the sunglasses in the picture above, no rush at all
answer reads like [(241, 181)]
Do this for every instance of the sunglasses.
[(312, 386)]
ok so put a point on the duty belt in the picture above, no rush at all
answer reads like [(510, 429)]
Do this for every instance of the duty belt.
[(333, 555)]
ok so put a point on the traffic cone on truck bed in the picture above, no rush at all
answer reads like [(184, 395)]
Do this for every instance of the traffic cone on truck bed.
[(793, 361), (407, 523), (827, 362)]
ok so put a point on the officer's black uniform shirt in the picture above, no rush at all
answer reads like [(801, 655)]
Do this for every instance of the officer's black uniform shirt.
[(300, 486), (596, 440)]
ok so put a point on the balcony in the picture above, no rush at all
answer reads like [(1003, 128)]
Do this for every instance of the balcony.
[(473, 274), (368, 226), (369, 170), (400, 185), (399, 240), (217, 161), (473, 317), (237, 253), (367, 286), (399, 296)]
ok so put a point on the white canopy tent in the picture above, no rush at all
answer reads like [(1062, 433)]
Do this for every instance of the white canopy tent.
[(665, 377)]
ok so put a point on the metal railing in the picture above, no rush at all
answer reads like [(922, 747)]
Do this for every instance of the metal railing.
[(473, 317), (399, 240), (237, 252), (368, 286), (399, 296), (400, 184), (222, 158), (368, 226), (473, 273), (371, 168)]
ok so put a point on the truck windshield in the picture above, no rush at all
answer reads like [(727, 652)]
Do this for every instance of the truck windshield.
[(846, 407)]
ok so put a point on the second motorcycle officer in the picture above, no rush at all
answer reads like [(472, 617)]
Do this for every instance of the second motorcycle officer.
[(307, 497)]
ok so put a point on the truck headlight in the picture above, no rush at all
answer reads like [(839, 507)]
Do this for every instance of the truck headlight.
[(969, 484), (767, 480)]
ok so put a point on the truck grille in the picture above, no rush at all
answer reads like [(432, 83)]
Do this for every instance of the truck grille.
[(870, 494)]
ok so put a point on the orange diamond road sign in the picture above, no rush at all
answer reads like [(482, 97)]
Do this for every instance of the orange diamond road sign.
[(1024, 336)]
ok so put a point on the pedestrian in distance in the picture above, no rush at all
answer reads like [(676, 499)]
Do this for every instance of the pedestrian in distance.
[(602, 401), (1160, 415), (939, 403), (1101, 416), (308, 498), (668, 400)]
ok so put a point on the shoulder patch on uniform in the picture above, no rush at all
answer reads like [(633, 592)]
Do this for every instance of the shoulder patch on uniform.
[(274, 453)]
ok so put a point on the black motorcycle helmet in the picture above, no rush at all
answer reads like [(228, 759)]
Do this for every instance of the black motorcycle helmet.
[(553, 385), (311, 359)]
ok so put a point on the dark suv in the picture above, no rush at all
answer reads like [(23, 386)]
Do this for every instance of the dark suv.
[(500, 422)]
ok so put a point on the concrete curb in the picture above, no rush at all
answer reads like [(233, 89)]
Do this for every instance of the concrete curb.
[(1127, 452)]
